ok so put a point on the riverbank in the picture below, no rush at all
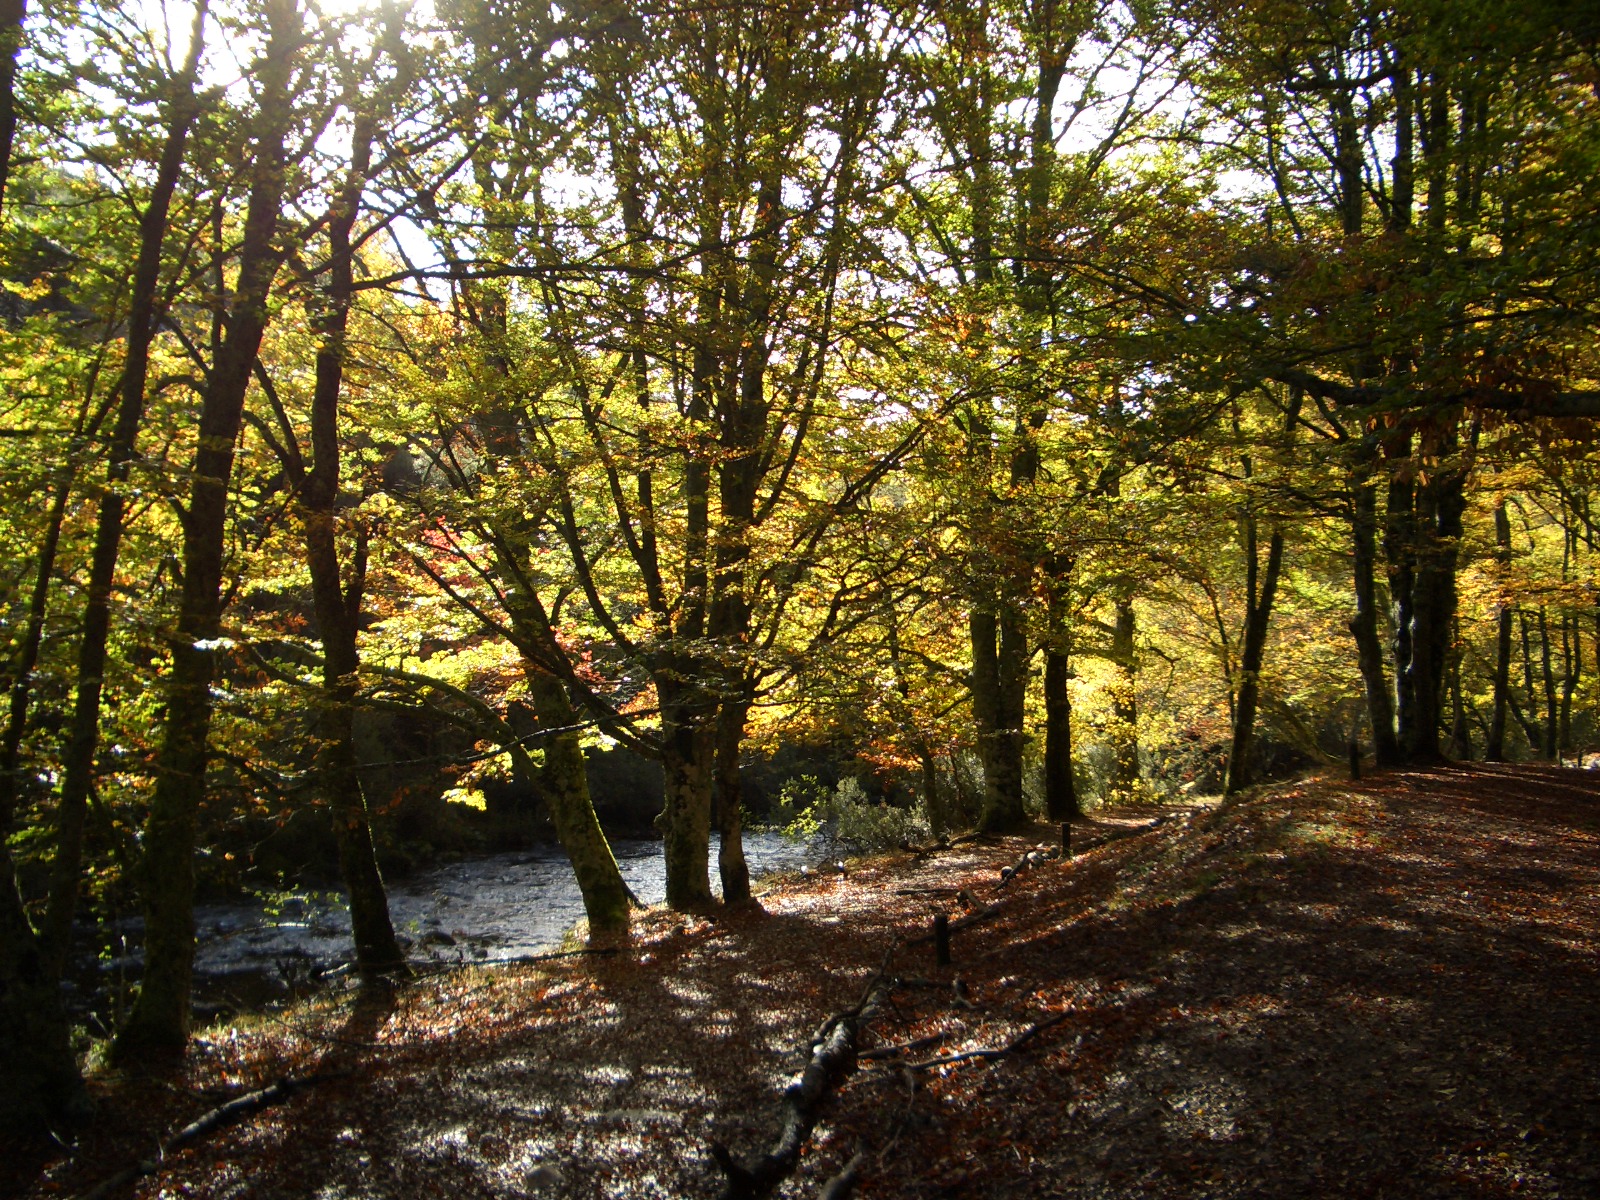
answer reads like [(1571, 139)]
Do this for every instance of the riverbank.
[(1379, 989)]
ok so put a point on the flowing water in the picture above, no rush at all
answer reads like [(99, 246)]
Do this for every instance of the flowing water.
[(486, 909)]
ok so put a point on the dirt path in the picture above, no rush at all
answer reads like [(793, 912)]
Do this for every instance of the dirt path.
[(1385, 989)]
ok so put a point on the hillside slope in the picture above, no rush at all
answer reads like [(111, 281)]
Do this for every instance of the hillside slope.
[(1381, 989)]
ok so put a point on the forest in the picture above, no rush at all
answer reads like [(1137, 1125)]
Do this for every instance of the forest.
[(1014, 405)]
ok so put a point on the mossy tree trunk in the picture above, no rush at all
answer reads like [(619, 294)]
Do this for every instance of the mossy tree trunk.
[(564, 781), (685, 820)]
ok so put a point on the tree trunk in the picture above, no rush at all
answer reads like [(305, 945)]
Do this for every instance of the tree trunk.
[(1002, 794), (1399, 552), (687, 748), (1438, 524), (377, 950), (1572, 664), (938, 819), (39, 1080), (1530, 727), (1552, 712), (338, 607), (983, 633), (1364, 624), (12, 13), (28, 657), (1495, 750), (731, 864), (160, 1016), (1060, 789), (1125, 701), (77, 771), (1257, 615), (1460, 730), (564, 780), (1422, 544)]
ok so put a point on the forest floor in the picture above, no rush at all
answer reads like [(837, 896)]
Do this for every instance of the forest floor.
[(1388, 988)]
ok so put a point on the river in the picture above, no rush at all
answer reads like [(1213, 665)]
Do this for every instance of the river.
[(484, 909)]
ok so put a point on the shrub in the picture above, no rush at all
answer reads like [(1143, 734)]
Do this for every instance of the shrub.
[(846, 818)]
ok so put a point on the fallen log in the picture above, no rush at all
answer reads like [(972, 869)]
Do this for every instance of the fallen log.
[(832, 1053), (224, 1114)]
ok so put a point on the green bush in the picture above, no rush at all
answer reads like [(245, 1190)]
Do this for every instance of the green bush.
[(845, 818)]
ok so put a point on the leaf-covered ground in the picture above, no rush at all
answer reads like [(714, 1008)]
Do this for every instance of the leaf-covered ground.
[(1379, 989)]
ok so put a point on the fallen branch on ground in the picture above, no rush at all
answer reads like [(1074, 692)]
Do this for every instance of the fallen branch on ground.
[(920, 1043), (832, 1053), (223, 1114), (985, 1053), (1015, 1043), (1032, 858), (843, 1184)]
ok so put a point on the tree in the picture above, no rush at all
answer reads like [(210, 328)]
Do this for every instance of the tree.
[(160, 1016)]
